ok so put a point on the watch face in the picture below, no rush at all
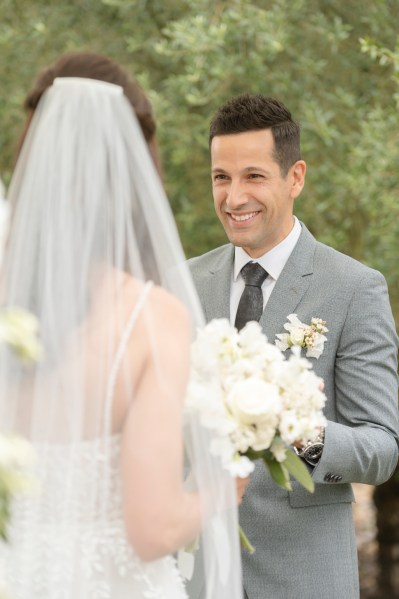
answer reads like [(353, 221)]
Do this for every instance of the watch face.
[(313, 452)]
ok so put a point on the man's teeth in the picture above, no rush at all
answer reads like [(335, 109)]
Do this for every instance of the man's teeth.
[(243, 217)]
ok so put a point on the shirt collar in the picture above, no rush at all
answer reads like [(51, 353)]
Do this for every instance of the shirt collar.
[(275, 259)]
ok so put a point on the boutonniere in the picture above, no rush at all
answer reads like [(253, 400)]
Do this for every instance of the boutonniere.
[(310, 336)]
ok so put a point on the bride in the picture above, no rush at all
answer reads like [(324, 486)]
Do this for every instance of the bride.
[(93, 252)]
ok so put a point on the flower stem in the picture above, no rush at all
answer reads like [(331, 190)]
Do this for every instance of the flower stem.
[(245, 542)]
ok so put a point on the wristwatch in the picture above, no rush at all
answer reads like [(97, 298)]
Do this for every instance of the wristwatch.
[(312, 451)]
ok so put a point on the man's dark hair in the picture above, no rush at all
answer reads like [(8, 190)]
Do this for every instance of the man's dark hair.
[(254, 112)]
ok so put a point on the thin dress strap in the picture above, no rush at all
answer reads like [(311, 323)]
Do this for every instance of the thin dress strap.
[(120, 353)]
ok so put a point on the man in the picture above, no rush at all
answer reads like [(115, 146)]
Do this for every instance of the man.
[(305, 543)]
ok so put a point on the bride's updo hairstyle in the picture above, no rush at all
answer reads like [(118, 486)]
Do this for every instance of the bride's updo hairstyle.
[(96, 66)]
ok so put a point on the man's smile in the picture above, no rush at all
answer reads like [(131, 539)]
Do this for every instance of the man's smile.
[(239, 218)]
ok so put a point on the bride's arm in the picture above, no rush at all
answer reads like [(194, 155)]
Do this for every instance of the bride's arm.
[(160, 516)]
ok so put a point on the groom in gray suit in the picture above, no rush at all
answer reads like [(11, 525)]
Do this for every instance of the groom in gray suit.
[(305, 543)]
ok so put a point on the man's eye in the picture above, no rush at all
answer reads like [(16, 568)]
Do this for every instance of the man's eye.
[(254, 176), (219, 177)]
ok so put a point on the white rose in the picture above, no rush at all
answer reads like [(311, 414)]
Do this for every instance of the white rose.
[(297, 336), (254, 401)]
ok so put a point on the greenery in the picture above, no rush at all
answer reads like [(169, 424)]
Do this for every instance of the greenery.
[(334, 63)]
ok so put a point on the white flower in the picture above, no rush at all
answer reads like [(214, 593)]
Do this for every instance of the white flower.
[(254, 401), (279, 450), (243, 437), (265, 434), (317, 347), (283, 340), (294, 323), (241, 466), (251, 338), (290, 426), (299, 334)]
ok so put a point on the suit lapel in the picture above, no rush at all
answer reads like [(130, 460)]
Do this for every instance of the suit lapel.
[(216, 285), (290, 286)]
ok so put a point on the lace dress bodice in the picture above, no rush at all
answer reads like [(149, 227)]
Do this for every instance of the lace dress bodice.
[(68, 540)]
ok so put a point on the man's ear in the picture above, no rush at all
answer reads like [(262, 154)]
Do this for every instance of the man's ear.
[(297, 173)]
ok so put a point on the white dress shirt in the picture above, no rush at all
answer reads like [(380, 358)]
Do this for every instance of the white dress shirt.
[(273, 262)]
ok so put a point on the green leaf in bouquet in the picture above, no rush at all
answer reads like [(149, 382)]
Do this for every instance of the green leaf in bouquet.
[(298, 470), (253, 455), (278, 472)]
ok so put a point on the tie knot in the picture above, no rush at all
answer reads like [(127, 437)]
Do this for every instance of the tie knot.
[(253, 274)]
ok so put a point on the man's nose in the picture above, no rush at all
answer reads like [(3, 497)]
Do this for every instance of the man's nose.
[(236, 196)]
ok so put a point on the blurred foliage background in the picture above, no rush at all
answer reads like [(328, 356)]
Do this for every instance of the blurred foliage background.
[(335, 63)]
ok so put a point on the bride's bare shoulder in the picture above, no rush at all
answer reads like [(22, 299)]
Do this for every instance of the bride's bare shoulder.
[(160, 302)]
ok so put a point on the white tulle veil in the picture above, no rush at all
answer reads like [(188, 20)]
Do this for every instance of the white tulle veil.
[(86, 200)]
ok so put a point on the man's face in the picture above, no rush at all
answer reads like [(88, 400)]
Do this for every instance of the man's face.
[(252, 199)]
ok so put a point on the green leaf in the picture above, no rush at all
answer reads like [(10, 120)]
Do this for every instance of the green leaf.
[(279, 473), (298, 470), (253, 455)]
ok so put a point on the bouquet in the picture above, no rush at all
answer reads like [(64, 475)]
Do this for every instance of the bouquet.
[(256, 402)]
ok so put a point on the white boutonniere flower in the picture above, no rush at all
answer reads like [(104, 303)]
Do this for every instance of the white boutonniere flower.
[(311, 337)]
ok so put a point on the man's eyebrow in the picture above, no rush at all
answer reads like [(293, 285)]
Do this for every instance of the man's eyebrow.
[(248, 169), (244, 170)]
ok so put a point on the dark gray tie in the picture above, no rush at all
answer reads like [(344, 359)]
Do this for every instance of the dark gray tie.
[(251, 301)]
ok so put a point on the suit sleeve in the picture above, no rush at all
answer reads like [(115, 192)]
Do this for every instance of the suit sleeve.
[(361, 446)]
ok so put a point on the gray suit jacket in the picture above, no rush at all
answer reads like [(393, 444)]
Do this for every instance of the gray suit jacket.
[(305, 543)]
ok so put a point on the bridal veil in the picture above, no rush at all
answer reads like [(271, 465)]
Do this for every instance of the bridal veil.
[(88, 214)]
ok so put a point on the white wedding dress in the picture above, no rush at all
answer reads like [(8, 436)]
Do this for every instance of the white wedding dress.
[(76, 546)]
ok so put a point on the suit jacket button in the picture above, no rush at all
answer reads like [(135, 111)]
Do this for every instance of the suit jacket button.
[(339, 477), (328, 477)]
